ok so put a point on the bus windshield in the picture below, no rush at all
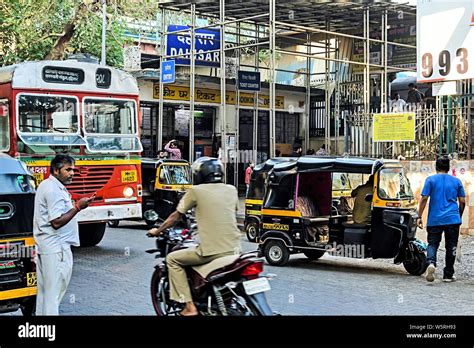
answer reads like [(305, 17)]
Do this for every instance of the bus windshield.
[(48, 120), (110, 125), (110, 116)]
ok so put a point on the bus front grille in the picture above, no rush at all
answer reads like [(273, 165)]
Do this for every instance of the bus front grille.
[(90, 179)]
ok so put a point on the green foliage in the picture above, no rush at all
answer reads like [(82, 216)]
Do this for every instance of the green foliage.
[(30, 29), (88, 39)]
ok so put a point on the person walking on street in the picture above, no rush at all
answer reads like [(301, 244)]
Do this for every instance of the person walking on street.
[(216, 205), (444, 216), (173, 150), (248, 173), (55, 229)]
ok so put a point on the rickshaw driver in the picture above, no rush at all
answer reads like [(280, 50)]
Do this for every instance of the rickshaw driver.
[(361, 214), (216, 205)]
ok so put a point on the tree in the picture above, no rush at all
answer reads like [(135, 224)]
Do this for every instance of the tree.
[(52, 29)]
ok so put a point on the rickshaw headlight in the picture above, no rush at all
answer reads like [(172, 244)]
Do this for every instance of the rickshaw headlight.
[(402, 219), (127, 192)]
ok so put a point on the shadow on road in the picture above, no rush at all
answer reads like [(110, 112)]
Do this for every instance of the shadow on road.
[(347, 265)]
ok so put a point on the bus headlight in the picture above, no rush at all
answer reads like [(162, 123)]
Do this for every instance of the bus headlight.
[(127, 192)]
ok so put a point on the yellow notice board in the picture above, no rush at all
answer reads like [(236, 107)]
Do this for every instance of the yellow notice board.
[(394, 127)]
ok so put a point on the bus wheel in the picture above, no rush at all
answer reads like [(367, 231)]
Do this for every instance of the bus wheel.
[(276, 253), (113, 223), (28, 307), (91, 234), (417, 266), (313, 254), (251, 229)]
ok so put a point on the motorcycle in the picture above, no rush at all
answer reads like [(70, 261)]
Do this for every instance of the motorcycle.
[(230, 285)]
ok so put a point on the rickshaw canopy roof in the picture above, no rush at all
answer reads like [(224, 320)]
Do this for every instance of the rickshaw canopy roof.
[(9, 165), (332, 164), (270, 163)]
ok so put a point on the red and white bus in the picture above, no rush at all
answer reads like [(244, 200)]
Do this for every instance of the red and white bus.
[(90, 112)]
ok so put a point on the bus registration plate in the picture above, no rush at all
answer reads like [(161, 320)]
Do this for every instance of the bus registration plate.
[(129, 176), (31, 279)]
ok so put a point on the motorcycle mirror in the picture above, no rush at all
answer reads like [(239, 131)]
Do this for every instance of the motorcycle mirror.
[(151, 215)]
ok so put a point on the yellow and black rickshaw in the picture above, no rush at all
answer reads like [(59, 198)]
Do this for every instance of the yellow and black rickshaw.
[(255, 194), (17, 246), (165, 181), (299, 214)]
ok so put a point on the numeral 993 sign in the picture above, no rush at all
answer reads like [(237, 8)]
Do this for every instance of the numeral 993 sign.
[(444, 33), (444, 62)]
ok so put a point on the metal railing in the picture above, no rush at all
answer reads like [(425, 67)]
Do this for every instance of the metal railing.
[(442, 130)]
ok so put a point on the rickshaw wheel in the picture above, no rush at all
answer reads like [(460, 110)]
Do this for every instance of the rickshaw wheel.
[(417, 266), (251, 229), (314, 254), (276, 253)]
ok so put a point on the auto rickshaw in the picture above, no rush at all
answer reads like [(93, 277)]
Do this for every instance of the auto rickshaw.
[(165, 181), (255, 194), (17, 246), (299, 214)]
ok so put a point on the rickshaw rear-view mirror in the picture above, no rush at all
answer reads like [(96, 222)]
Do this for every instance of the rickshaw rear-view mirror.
[(368, 198)]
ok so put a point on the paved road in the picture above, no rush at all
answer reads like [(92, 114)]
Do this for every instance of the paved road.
[(113, 279)]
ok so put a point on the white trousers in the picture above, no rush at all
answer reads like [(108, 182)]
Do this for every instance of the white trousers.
[(53, 273)]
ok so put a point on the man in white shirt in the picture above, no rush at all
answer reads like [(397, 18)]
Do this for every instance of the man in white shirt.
[(55, 229), (398, 104)]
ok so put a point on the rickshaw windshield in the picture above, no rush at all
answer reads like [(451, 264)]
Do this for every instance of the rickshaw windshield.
[(341, 182), (393, 184), (175, 175), (15, 183)]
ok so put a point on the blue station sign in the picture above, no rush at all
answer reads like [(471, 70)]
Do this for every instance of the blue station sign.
[(168, 74), (206, 40)]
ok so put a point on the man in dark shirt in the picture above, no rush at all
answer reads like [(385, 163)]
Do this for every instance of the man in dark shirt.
[(414, 95)]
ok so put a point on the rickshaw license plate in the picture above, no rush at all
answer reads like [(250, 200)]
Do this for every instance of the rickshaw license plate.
[(129, 176), (255, 286), (31, 279)]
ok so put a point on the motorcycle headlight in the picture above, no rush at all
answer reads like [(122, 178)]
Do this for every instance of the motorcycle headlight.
[(127, 192)]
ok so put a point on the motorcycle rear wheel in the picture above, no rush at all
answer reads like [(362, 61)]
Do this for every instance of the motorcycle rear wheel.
[(162, 304)]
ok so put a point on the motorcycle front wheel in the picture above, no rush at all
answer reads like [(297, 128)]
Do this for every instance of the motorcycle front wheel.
[(160, 295)]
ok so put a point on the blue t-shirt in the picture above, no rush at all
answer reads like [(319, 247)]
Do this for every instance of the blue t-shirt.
[(443, 190)]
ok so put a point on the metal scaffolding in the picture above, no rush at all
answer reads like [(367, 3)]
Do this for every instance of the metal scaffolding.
[(272, 25)]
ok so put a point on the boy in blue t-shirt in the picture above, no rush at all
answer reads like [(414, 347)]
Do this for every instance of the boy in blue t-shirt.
[(444, 215)]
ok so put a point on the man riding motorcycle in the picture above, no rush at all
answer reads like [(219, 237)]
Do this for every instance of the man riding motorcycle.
[(215, 206)]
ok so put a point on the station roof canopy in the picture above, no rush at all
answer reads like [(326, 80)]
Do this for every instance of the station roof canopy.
[(342, 15)]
